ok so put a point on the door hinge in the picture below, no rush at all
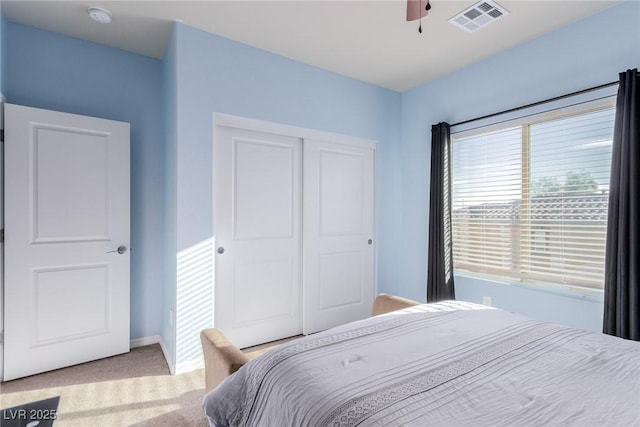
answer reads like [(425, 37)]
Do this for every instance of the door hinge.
[(2, 236), (1, 135), (1, 337)]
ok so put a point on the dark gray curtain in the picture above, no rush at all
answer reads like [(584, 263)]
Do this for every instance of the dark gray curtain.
[(440, 264), (622, 265)]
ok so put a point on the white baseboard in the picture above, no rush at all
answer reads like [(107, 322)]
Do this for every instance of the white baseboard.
[(167, 357), (180, 368), (189, 365), (141, 342), (155, 339)]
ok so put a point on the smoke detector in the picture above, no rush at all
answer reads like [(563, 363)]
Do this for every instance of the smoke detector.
[(479, 15), (100, 15)]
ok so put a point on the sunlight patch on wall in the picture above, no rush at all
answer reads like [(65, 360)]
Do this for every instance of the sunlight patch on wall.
[(194, 303)]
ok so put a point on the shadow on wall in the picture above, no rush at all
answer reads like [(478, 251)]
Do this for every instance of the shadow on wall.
[(194, 302)]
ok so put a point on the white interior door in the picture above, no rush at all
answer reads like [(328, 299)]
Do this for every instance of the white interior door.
[(66, 213), (338, 217), (2, 102), (257, 224)]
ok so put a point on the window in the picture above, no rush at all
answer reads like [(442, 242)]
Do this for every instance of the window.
[(529, 199)]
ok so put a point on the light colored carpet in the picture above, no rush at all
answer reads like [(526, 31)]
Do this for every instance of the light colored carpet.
[(133, 389)]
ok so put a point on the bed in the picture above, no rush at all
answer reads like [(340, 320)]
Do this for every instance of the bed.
[(442, 364)]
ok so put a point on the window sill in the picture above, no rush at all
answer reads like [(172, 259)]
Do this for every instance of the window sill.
[(594, 295)]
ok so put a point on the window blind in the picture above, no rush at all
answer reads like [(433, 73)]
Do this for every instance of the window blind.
[(529, 202)]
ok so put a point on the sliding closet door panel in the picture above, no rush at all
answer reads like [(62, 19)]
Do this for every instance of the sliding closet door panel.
[(257, 210), (338, 234)]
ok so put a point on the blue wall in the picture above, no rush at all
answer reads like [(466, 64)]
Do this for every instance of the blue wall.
[(585, 54), (56, 72), (2, 51), (219, 75), (169, 92)]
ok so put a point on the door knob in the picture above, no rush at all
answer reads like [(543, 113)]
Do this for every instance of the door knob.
[(120, 250), (220, 250), (369, 241)]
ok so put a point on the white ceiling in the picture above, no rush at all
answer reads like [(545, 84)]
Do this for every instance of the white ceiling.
[(368, 40)]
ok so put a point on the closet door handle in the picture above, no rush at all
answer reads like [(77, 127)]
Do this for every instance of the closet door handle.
[(220, 250), (369, 241)]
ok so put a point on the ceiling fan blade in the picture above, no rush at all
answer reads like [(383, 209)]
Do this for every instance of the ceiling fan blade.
[(417, 7)]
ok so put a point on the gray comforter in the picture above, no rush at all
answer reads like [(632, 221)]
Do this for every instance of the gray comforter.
[(445, 364)]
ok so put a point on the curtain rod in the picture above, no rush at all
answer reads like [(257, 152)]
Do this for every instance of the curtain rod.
[(534, 104)]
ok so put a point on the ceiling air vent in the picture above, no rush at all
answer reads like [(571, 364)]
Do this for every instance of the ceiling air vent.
[(479, 15)]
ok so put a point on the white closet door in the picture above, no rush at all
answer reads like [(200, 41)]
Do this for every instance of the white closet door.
[(257, 224), (338, 235), (66, 214)]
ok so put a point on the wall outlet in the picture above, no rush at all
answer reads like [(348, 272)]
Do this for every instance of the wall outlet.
[(486, 300), (170, 317)]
